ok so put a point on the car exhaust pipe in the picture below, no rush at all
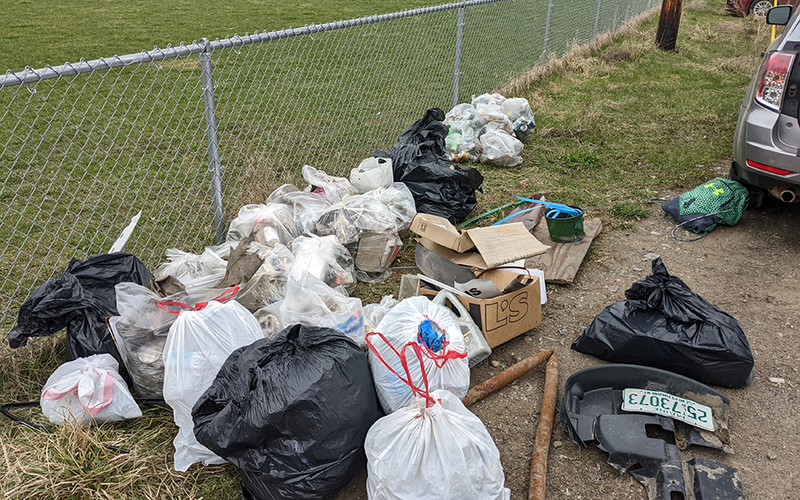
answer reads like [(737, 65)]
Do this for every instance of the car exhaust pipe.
[(786, 194)]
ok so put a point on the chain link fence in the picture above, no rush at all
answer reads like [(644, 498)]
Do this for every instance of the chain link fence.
[(190, 133)]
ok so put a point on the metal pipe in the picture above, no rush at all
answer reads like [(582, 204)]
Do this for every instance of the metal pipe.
[(597, 18), (547, 31), (505, 377), (457, 70), (213, 142), (786, 194), (538, 483)]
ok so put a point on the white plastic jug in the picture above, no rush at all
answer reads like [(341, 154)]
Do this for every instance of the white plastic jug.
[(477, 347)]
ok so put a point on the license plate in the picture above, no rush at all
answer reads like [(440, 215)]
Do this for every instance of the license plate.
[(661, 403)]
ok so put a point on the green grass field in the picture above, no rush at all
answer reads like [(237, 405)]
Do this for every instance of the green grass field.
[(36, 33), (83, 154), (617, 124)]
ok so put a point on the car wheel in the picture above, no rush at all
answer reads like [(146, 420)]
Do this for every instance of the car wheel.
[(760, 7)]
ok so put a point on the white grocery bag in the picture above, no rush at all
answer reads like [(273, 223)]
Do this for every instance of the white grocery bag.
[(445, 366), (197, 345), (372, 173), (88, 389), (434, 449)]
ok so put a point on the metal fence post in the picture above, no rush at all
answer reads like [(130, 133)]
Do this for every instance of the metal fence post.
[(213, 143), (597, 18), (547, 31), (459, 36)]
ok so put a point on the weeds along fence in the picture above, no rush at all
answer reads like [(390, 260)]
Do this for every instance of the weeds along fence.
[(190, 133)]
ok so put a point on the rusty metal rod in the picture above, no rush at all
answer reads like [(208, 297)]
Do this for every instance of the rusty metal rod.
[(536, 490), (505, 377)]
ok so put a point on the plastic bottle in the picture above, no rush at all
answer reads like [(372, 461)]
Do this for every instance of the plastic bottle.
[(477, 347)]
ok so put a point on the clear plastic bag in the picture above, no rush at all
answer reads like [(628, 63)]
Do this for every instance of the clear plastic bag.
[(198, 343), (86, 390), (306, 207), (324, 258), (432, 449), (374, 313), (500, 148), (460, 113), (519, 112), (333, 188), (272, 224), (445, 362), (268, 284), (354, 215), (186, 265), (311, 302), (491, 113), (399, 200), (366, 227), (494, 98), (372, 173)]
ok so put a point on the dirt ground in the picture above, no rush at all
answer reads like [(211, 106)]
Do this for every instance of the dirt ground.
[(751, 271)]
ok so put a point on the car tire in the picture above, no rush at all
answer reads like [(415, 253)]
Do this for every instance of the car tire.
[(759, 8)]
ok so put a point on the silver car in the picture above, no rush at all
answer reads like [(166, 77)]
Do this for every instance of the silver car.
[(766, 145)]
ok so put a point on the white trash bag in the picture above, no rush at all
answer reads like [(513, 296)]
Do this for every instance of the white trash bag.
[(372, 173), (435, 330), (434, 449), (197, 345), (88, 389)]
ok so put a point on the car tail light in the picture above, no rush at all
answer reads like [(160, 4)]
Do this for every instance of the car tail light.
[(774, 73), (767, 168)]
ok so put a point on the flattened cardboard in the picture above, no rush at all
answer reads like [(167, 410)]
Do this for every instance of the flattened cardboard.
[(495, 244), (507, 316), (505, 243), (560, 264)]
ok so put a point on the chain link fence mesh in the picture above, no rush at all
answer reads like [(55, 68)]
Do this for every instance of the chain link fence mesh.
[(86, 146)]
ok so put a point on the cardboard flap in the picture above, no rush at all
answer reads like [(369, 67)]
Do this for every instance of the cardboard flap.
[(439, 230), (505, 243), (469, 259)]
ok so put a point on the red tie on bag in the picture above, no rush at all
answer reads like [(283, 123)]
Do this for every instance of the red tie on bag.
[(226, 295)]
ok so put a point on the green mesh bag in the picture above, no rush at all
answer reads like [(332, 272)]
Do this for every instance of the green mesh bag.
[(718, 201)]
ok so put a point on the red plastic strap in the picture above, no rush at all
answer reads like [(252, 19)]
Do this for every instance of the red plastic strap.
[(226, 295), (442, 356), (402, 355)]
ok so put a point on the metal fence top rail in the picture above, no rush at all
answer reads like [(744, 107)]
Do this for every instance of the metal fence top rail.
[(30, 75)]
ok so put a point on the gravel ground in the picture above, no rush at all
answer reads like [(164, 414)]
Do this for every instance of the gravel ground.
[(750, 271)]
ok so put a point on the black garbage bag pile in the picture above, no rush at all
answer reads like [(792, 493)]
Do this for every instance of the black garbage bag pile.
[(80, 300), (665, 325), (420, 161), (292, 413)]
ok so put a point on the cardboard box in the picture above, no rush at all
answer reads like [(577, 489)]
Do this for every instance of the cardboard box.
[(494, 245), (507, 316)]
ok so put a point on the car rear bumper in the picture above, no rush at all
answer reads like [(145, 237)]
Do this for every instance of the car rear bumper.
[(757, 140)]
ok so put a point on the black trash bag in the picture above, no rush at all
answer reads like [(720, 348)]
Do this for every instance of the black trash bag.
[(80, 300), (665, 325), (420, 161), (291, 413)]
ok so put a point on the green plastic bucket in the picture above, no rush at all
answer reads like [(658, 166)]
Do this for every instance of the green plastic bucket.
[(564, 228)]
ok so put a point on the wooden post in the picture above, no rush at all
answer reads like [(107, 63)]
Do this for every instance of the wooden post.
[(668, 24)]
